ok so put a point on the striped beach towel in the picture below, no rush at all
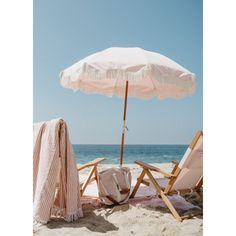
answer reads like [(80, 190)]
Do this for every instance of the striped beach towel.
[(56, 189)]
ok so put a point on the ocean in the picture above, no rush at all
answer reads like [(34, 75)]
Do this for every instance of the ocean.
[(146, 153)]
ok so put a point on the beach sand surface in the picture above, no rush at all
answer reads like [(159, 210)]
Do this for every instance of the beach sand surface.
[(148, 217)]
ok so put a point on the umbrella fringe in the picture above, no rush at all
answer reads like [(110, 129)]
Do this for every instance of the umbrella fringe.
[(164, 76)]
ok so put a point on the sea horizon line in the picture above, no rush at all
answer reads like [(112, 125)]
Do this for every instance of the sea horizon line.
[(129, 144)]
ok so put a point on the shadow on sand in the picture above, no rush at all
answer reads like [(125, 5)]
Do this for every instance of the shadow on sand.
[(91, 221), (99, 223), (196, 199)]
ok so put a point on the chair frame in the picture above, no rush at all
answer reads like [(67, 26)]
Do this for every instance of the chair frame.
[(164, 192), (93, 174)]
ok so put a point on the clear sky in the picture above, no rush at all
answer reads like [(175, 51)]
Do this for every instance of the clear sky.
[(66, 31)]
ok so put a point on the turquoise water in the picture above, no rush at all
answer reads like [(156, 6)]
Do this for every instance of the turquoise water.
[(147, 153)]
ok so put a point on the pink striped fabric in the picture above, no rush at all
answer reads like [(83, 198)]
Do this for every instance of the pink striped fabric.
[(56, 189)]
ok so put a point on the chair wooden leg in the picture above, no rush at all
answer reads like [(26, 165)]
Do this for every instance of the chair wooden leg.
[(139, 180), (87, 180), (199, 184), (154, 182), (145, 182), (171, 207), (96, 174), (164, 197)]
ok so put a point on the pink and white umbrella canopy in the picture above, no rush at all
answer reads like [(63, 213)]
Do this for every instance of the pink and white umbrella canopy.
[(129, 72), (150, 74)]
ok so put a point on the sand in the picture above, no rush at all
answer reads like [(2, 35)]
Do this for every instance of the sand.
[(146, 217)]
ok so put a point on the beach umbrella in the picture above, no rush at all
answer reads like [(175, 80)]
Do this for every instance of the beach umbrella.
[(129, 72)]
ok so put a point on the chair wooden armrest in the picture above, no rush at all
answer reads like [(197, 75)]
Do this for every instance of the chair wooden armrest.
[(91, 163), (93, 172), (153, 168)]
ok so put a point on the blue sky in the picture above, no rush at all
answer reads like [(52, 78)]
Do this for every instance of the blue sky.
[(67, 31)]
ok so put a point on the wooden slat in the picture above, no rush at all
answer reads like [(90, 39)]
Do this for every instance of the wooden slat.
[(163, 196), (181, 191), (96, 176), (195, 139), (171, 207), (172, 179), (139, 180), (145, 182), (188, 216), (87, 180), (199, 183), (154, 182), (175, 167), (91, 163), (152, 168)]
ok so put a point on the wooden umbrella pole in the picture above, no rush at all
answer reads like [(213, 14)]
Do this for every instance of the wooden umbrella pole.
[(124, 124)]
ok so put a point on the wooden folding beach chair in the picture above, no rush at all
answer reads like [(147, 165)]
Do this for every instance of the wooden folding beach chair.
[(93, 174), (186, 176)]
